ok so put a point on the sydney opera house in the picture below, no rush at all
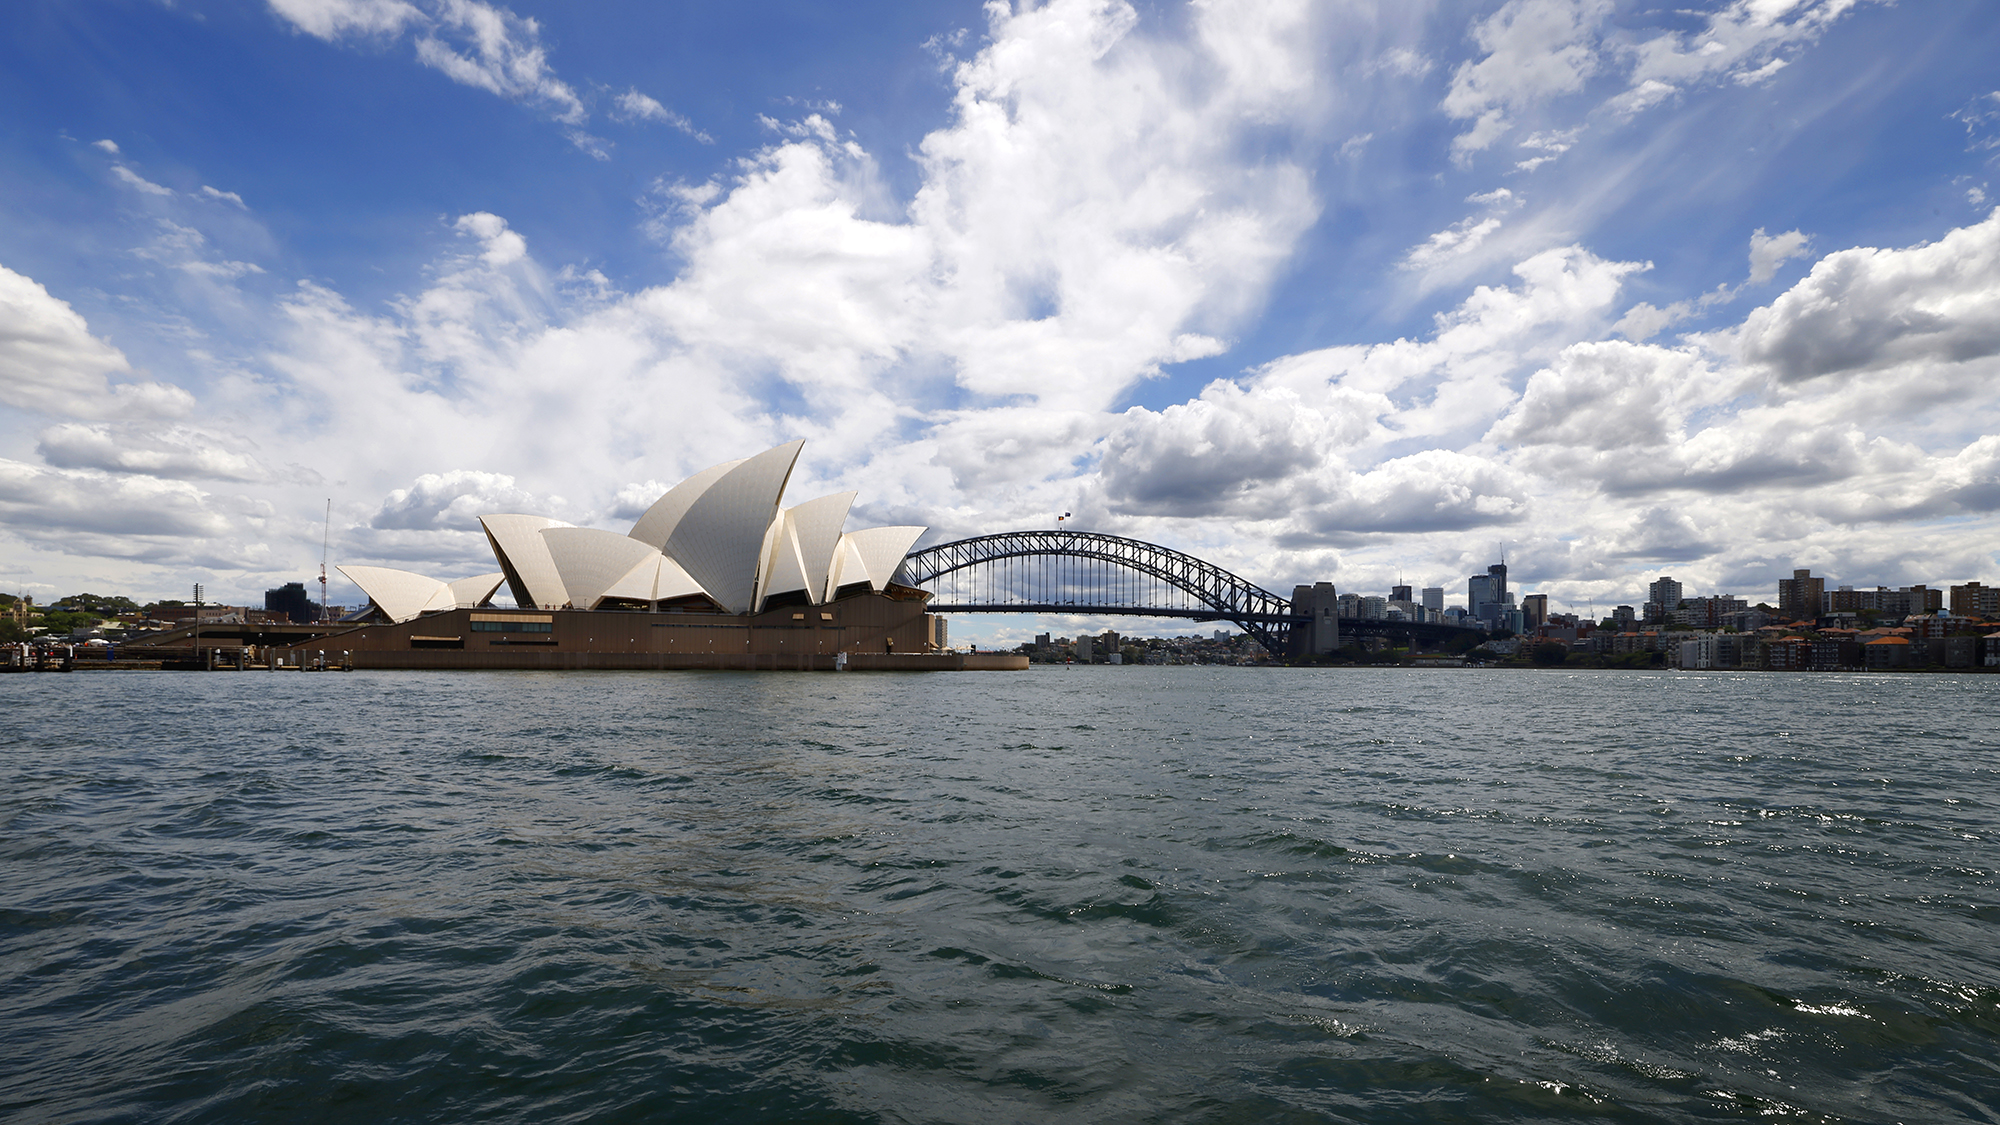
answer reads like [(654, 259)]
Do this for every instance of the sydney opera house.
[(716, 574)]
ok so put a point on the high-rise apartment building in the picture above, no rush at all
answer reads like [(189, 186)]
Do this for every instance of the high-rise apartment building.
[(1800, 596), (1534, 611), (1972, 599), (1663, 596)]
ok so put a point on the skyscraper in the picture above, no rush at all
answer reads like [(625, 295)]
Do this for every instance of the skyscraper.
[(1486, 596), (1662, 598), (292, 601), (1799, 596)]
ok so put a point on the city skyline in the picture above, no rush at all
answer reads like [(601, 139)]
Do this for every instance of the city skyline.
[(1346, 293)]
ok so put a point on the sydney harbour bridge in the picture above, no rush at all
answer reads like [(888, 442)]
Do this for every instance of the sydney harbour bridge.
[(1083, 572)]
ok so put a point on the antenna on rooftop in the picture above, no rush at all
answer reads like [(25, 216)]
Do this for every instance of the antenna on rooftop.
[(325, 536)]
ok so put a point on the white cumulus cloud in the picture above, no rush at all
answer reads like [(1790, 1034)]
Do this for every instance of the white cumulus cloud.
[(1867, 308), (1770, 251), (173, 452), (454, 501), (50, 363)]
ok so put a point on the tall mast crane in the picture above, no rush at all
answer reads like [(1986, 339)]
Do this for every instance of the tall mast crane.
[(325, 536)]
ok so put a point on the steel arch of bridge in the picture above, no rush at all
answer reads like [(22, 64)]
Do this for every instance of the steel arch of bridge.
[(1211, 593)]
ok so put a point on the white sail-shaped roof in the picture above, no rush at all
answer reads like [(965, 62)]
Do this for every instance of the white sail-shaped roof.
[(657, 525), (641, 583), (524, 558), (476, 591), (674, 582), (816, 526), (783, 570), (720, 540), (399, 594), (441, 600), (881, 550), (847, 568), (591, 562), (655, 579)]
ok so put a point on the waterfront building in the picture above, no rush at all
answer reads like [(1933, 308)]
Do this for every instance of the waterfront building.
[(1707, 613), (1788, 654), (1886, 652), (1975, 600), (291, 603), (1712, 650), (717, 542), (1487, 598), (716, 573), (1801, 596), (1663, 596), (1887, 602)]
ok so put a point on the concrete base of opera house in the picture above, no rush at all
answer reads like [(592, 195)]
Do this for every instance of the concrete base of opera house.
[(861, 632), (632, 662)]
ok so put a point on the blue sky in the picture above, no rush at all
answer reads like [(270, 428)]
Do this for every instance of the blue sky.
[(1318, 291)]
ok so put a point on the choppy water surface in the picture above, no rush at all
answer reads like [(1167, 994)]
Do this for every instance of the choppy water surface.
[(1117, 894)]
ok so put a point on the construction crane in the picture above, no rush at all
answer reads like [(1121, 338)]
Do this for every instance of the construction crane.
[(325, 536)]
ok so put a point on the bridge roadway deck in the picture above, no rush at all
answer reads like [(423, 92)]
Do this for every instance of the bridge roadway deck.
[(1349, 626)]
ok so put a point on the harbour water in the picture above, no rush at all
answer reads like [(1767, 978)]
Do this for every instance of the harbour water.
[(1069, 894)]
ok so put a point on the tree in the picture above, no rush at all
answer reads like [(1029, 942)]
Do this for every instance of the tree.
[(64, 621), (1550, 652), (106, 605)]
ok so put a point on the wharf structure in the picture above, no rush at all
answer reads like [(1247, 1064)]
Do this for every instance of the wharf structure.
[(716, 574)]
